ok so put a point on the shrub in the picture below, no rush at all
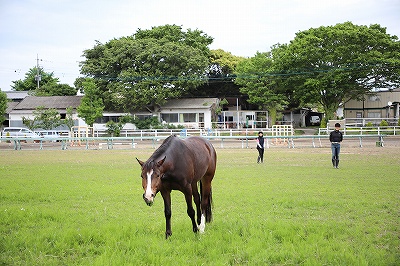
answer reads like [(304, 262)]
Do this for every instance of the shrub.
[(383, 123)]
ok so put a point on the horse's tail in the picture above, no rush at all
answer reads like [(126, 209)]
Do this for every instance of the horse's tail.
[(208, 209)]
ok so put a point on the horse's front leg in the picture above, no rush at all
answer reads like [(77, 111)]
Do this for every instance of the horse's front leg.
[(167, 211), (190, 210)]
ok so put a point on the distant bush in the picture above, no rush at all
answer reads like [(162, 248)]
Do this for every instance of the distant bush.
[(384, 123), (369, 124)]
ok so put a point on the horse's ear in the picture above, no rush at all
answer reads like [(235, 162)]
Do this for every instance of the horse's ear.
[(140, 162), (160, 162)]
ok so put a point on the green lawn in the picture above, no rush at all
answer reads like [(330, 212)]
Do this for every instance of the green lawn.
[(85, 207)]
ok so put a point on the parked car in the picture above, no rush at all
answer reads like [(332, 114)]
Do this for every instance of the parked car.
[(18, 132), (53, 135), (315, 120)]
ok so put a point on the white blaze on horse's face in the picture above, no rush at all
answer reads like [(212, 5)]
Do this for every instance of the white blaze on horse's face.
[(149, 194)]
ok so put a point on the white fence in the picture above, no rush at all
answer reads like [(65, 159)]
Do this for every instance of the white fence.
[(154, 141), (388, 130)]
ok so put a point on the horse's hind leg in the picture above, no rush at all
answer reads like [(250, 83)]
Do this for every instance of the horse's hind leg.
[(196, 198), (206, 199)]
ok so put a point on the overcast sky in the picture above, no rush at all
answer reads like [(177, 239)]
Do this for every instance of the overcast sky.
[(59, 30)]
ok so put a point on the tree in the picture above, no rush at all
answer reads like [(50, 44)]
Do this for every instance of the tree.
[(91, 106), (331, 65), (220, 76), (253, 75), (113, 128), (149, 67), (46, 118), (3, 106), (29, 123), (49, 85), (69, 121)]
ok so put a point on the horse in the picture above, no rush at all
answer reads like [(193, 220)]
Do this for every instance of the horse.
[(181, 164)]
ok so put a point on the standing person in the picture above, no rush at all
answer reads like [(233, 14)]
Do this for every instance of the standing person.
[(335, 137), (260, 147)]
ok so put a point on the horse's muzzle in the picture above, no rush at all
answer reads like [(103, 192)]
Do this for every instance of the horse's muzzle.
[(149, 201)]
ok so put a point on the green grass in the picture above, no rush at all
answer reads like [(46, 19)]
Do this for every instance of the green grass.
[(85, 208)]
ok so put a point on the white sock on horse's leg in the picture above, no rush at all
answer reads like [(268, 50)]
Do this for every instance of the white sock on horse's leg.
[(202, 225)]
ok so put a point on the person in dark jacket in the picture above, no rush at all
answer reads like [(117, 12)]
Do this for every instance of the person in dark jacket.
[(260, 147), (335, 137)]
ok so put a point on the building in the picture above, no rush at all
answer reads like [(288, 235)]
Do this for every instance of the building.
[(383, 105), (28, 105), (194, 113), (190, 113)]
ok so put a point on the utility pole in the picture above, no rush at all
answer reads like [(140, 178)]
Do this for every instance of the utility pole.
[(38, 78)]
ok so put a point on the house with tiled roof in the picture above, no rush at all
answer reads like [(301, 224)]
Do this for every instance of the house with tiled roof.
[(188, 112), (28, 105), (191, 113)]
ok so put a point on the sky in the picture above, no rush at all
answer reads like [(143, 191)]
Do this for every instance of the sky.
[(56, 32)]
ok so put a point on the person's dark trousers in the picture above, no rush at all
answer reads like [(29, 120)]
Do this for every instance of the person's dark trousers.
[(260, 155), (335, 154)]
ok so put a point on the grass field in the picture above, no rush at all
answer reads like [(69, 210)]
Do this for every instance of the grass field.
[(85, 207)]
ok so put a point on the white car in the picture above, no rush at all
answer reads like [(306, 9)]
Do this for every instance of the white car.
[(18, 132), (52, 135), (315, 120)]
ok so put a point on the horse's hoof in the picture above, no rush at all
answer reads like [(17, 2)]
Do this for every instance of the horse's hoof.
[(168, 234)]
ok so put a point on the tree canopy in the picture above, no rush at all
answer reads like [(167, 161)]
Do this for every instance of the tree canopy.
[(91, 106), (220, 76), (331, 65), (149, 67), (255, 81), (48, 84)]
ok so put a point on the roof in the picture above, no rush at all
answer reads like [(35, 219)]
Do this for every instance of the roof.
[(56, 102), (199, 103), (16, 95), (10, 106)]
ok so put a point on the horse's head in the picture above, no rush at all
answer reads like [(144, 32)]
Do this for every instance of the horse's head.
[(151, 179)]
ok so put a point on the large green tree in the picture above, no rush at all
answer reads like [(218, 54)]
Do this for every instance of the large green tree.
[(220, 76), (149, 67), (48, 84), (255, 79), (331, 65)]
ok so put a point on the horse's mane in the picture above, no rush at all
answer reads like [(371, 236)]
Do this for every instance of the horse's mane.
[(163, 147)]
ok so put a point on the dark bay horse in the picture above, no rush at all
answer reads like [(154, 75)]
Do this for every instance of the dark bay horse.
[(180, 164)]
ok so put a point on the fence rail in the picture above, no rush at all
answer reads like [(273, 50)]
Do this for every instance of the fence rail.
[(386, 130), (154, 141)]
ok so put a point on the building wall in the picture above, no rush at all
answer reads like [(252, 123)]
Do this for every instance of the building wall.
[(374, 106)]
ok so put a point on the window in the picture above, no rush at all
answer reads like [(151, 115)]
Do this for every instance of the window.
[(170, 118), (143, 117), (105, 119), (374, 98), (189, 117), (374, 114)]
